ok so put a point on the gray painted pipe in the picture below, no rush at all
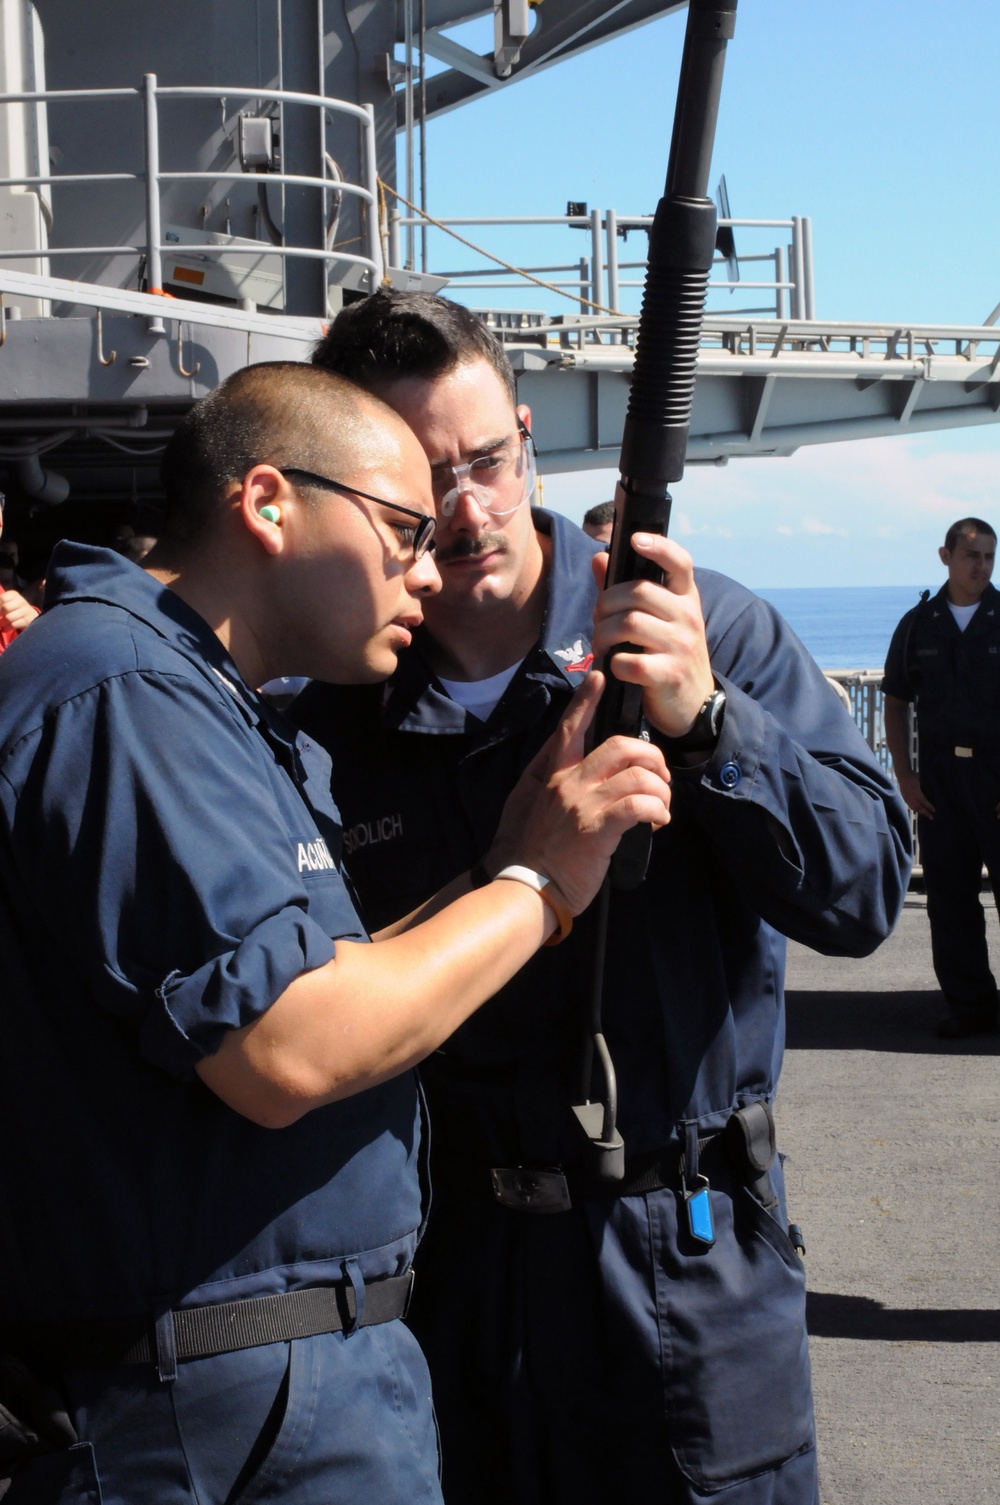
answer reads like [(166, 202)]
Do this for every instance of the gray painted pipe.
[(39, 484)]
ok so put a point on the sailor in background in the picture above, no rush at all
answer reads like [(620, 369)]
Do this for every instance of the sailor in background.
[(598, 522), (587, 1347), (945, 657), (212, 1191)]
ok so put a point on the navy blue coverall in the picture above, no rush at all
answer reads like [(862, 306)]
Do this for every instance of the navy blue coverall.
[(168, 866), (601, 1353), (954, 676)]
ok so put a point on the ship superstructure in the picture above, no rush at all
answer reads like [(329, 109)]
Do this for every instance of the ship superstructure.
[(182, 194)]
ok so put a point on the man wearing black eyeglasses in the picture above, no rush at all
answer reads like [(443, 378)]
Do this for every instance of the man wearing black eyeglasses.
[(207, 1227), (588, 1345)]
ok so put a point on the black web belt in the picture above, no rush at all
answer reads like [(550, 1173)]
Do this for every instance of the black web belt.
[(203, 1331), (525, 1188), (555, 1188), (745, 1145)]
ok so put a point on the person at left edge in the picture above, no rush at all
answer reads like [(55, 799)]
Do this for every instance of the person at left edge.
[(15, 612), (211, 1196)]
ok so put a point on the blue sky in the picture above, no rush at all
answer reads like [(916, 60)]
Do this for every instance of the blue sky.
[(875, 118)]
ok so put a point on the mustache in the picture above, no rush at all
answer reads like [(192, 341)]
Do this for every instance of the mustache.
[(469, 548)]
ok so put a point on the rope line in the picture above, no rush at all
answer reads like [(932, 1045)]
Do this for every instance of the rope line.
[(551, 287), (383, 232)]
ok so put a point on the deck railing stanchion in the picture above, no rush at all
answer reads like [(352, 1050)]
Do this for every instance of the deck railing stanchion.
[(611, 230), (374, 243), (780, 276), (798, 270), (596, 260), (807, 267), (154, 269), (395, 248)]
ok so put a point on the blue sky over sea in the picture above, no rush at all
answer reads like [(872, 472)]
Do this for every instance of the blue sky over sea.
[(845, 113)]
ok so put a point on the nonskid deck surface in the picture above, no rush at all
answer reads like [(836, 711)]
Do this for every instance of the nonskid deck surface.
[(892, 1140)]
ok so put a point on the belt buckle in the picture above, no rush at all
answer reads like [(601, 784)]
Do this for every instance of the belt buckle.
[(528, 1188), (963, 752)]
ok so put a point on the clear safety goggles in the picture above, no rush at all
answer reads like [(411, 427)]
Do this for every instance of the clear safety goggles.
[(499, 482)]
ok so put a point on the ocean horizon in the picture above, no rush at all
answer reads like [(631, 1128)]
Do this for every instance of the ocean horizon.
[(844, 627)]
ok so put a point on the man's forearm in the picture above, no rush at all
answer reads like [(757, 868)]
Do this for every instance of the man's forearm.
[(375, 1011), (432, 906)]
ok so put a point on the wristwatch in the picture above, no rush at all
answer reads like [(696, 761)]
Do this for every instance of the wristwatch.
[(707, 728)]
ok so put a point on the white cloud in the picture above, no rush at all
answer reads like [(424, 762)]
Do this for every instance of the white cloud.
[(685, 528), (814, 526), (872, 512)]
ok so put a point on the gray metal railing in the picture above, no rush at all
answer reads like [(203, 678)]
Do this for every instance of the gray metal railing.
[(598, 277), (863, 689), (153, 177)]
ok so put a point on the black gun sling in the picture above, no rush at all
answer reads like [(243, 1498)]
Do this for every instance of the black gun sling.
[(203, 1331)]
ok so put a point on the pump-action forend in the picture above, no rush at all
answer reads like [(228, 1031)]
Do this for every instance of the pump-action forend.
[(681, 252)]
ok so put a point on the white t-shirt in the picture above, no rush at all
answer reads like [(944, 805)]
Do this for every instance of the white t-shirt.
[(963, 614), (480, 696)]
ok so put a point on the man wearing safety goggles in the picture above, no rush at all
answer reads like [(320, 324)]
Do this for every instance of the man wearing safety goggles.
[(490, 553), (589, 1345)]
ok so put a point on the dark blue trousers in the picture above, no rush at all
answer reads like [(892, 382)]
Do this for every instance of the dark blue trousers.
[(601, 1354), (320, 1421), (963, 837)]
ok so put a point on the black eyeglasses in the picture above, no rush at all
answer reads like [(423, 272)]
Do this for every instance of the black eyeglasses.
[(419, 538)]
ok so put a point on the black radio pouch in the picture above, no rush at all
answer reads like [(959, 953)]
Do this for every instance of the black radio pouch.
[(752, 1143)]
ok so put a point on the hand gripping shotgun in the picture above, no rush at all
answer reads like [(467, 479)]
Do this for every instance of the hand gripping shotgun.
[(681, 251)]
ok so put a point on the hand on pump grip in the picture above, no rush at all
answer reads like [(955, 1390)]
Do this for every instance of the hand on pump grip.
[(664, 620)]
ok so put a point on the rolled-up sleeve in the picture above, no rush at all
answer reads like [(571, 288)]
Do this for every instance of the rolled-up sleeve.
[(161, 843)]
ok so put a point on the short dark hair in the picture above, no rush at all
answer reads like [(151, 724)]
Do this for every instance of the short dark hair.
[(966, 527), (275, 412), (597, 516), (391, 335)]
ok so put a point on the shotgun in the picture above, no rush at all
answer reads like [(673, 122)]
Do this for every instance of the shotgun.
[(682, 244)]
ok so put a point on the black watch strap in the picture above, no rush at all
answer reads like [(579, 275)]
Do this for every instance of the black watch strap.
[(704, 734)]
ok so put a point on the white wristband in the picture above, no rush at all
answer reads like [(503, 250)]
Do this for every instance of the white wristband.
[(551, 895)]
